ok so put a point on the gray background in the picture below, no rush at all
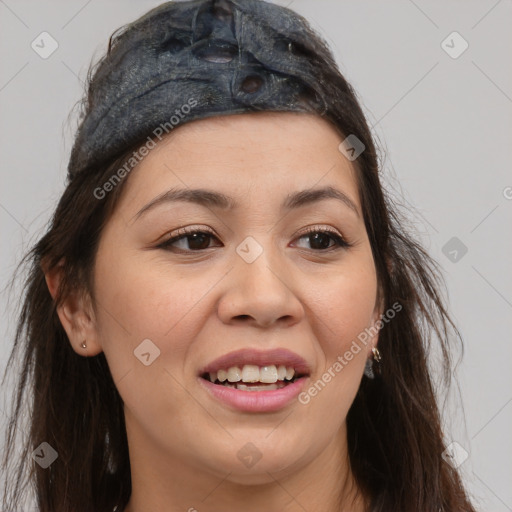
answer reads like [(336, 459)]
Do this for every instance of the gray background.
[(444, 125)]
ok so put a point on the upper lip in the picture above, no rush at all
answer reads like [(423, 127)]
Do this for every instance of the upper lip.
[(278, 356)]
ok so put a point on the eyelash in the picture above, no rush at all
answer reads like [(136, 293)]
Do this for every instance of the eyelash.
[(185, 232)]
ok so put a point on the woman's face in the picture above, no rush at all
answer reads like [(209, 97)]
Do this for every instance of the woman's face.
[(252, 282)]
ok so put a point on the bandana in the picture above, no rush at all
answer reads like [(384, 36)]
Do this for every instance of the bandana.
[(194, 59)]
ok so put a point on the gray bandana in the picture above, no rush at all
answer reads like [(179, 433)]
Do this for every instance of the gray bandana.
[(190, 60)]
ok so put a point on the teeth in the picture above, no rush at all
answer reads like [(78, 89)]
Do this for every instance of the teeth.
[(265, 387), (234, 374), (268, 374), (251, 373)]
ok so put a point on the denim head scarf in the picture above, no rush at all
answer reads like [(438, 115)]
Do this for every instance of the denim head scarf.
[(193, 59)]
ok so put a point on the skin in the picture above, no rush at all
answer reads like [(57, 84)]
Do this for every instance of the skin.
[(199, 305)]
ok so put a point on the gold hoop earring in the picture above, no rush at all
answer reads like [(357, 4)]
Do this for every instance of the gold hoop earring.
[(370, 370)]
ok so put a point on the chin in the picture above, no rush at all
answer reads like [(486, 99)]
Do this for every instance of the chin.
[(249, 465)]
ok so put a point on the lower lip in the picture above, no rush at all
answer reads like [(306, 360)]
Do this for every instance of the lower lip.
[(255, 401)]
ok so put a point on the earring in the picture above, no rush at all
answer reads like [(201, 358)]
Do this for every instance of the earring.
[(83, 345), (369, 370)]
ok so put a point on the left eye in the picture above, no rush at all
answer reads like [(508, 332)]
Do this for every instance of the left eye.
[(320, 239)]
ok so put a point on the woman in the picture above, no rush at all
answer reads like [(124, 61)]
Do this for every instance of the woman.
[(225, 313)]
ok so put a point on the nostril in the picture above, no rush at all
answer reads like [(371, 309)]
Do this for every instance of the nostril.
[(251, 84)]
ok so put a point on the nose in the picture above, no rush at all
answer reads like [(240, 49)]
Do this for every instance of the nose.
[(261, 294)]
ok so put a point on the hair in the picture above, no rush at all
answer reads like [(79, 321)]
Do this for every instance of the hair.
[(395, 437)]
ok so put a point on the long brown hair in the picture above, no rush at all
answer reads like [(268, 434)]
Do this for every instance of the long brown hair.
[(394, 429)]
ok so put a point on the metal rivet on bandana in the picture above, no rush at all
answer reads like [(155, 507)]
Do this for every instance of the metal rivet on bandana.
[(251, 84)]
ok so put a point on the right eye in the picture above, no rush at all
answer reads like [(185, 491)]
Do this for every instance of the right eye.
[(195, 239)]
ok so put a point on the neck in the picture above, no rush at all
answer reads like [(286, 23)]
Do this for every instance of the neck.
[(161, 484)]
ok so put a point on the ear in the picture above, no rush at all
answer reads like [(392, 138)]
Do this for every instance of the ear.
[(76, 315)]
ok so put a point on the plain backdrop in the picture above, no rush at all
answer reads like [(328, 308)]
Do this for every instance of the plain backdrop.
[(441, 115)]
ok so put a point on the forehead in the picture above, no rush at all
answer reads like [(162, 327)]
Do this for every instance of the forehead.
[(257, 156)]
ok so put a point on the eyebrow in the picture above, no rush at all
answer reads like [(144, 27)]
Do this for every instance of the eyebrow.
[(214, 199)]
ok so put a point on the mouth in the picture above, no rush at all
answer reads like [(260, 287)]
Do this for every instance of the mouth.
[(256, 381), (252, 377)]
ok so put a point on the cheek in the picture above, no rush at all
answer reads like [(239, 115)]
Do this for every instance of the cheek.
[(346, 307), (140, 299), (343, 313), (145, 294)]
